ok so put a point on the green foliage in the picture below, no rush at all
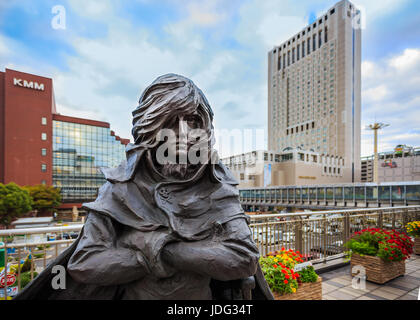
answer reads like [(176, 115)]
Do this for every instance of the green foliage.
[(26, 265), (389, 245), (308, 274), (362, 248), (14, 201), (45, 198), (25, 278)]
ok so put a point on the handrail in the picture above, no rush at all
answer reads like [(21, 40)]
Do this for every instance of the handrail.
[(310, 213), (24, 231)]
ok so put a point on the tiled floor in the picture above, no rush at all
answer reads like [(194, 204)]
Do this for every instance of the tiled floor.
[(337, 285)]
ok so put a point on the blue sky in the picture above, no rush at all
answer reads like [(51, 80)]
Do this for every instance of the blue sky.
[(111, 50)]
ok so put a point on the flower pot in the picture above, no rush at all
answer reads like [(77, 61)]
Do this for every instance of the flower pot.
[(377, 270), (306, 291), (416, 245)]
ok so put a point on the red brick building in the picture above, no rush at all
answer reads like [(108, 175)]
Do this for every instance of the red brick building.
[(34, 140)]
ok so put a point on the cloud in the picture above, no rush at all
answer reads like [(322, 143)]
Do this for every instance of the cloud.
[(390, 94), (221, 45)]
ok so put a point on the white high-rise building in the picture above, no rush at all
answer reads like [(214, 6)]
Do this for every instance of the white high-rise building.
[(314, 90)]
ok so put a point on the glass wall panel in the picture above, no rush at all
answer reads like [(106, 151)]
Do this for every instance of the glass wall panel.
[(78, 155), (359, 193), (348, 193), (413, 193), (384, 193), (338, 193), (330, 194), (398, 193), (371, 193), (321, 193), (312, 193), (291, 192), (304, 193)]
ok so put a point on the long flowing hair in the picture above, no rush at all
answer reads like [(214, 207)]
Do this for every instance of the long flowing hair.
[(168, 96)]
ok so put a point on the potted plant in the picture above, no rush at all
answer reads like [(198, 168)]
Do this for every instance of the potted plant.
[(288, 279), (381, 252), (413, 229)]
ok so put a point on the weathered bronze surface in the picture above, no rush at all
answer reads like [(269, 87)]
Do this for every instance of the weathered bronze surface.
[(162, 231)]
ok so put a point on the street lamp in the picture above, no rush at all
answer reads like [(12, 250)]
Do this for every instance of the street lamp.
[(375, 127)]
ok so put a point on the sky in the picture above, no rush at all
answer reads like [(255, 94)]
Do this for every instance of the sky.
[(102, 54)]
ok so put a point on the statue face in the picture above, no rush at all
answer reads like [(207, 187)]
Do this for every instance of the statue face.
[(182, 125)]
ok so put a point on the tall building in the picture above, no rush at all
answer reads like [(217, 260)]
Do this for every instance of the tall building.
[(314, 89), (40, 146)]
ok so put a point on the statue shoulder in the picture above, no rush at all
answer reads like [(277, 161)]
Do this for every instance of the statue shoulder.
[(223, 174)]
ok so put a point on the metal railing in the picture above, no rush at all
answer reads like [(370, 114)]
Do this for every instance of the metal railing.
[(319, 236), (29, 251)]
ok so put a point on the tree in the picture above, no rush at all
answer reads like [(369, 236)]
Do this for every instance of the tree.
[(44, 198), (14, 201)]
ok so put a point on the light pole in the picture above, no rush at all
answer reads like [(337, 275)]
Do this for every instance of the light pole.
[(375, 127)]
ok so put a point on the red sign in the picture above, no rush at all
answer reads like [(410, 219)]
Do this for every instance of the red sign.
[(11, 279)]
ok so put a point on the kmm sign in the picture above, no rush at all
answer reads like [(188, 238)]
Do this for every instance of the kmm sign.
[(28, 84)]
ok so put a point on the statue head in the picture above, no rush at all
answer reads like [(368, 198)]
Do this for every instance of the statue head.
[(174, 120)]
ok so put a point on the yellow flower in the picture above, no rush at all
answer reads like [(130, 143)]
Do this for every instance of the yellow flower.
[(293, 290)]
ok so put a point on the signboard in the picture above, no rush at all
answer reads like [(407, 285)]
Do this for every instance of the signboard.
[(28, 84), (11, 292), (12, 288)]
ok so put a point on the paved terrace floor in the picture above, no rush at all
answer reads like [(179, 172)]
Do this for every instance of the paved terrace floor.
[(337, 285)]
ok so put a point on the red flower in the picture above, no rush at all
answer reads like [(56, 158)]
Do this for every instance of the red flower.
[(286, 282), (275, 266)]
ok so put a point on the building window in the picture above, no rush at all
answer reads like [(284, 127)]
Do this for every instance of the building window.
[(309, 45), (314, 42), (298, 52), (320, 39), (43, 151), (284, 61), (332, 11), (43, 136), (326, 35), (293, 55), (43, 167), (288, 58), (44, 121), (43, 182), (279, 63)]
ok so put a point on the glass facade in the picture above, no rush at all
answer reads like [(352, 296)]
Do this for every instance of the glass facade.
[(79, 151)]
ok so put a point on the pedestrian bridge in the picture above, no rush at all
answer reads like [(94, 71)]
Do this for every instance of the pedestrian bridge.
[(357, 195)]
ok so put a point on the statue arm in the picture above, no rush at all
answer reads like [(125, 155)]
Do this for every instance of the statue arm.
[(229, 255), (98, 259)]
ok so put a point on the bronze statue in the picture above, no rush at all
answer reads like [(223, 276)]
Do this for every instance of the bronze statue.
[(164, 225)]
